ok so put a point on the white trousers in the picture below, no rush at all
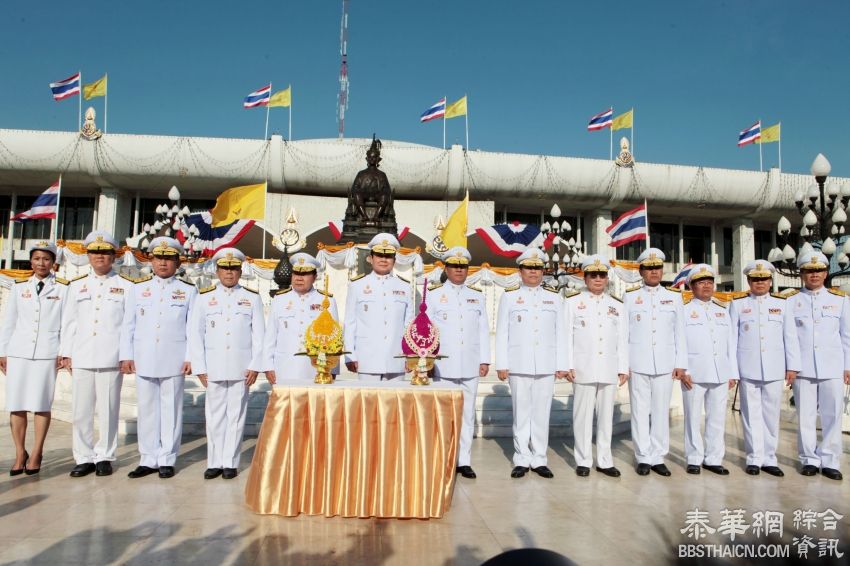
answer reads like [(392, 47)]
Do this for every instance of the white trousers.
[(713, 397), (824, 397), (225, 406), (588, 397), (650, 405), (95, 390), (531, 397), (379, 376), (160, 420), (467, 429), (760, 407)]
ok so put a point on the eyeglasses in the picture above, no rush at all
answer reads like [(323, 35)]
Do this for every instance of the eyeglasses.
[(596, 275), (757, 279), (531, 267), (379, 254)]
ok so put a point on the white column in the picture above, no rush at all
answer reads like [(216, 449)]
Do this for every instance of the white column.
[(715, 260), (743, 250), (682, 259), (113, 212), (10, 240), (599, 239)]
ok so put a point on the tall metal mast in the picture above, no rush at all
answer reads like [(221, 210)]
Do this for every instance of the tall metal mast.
[(342, 97)]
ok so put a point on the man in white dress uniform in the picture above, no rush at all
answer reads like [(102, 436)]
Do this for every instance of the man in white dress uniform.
[(657, 354), (532, 348), (460, 314), (226, 352), (292, 311), (90, 327), (767, 354), (822, 317), (378, 309), (154, 347), (597, 325), (711, 373)]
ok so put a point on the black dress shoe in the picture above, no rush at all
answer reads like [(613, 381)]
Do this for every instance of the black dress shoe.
[(212, 473), (772, 470), (754, 470), (104, 468), (543, 472), (13, 472), (142, 471), (582, 471), (81, 470), (519, 471), (661, 470), (229, 473), (611, 472), (692, 469), (466, 471), (166, 472), (642, 469), (719, 470), (832, 474), (809, 470)]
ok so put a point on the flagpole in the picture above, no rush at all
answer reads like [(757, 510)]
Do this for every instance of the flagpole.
[(290, 112), (105, 102), (761, 166), (266, 135), (80, 108), (55, 228), (444, 121), (466, 120), (779, 141), (611, 138), (265, 194), (646, 213), (633, 132)]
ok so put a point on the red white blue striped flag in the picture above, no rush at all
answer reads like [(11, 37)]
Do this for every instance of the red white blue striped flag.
[(66, 88), (601, 120), (629, 227), (259, 97), (43, 207), (436, 111), (750, 135)]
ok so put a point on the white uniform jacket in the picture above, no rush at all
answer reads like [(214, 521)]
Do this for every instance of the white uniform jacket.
[(531, 332), (764, 340), (154, 333), (656, 330), (32, 322), (460, 314), (823, 328), (599, 330), (377, 311), (289, 317), (91, 323), (226, 333), (711, 350)]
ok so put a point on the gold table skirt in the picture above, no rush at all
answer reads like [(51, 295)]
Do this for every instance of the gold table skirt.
[(359, 450)]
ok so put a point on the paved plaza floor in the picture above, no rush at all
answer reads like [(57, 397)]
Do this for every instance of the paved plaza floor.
[(54, 519)]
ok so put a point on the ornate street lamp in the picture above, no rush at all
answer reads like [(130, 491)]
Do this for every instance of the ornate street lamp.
[(566, 255), (824, 212)]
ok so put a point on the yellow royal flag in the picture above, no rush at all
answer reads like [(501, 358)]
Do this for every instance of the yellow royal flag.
[(239, 203), (623, 121), (95, 89), (456, 109), (454, 234), (281, 98), (771, 134)]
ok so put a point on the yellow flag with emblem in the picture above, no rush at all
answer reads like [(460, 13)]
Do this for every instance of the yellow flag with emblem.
[(454, 234), (623, 121), (95, 89), (239, 203), (457, 108), (771, 134), (281, 98)]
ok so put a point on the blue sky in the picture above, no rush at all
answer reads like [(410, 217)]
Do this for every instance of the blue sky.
[(696, 72)]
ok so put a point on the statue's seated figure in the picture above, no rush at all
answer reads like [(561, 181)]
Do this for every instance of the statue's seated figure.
[(370, 200)]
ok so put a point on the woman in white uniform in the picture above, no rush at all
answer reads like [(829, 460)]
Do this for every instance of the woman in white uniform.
[(29, 352)]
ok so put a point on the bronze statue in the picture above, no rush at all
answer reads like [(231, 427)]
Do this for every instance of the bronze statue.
[(370, 201)]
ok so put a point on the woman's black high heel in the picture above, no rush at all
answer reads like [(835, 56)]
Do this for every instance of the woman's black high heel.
[(19, 471), (32, 471)]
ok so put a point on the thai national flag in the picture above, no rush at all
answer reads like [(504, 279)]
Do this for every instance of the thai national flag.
[(66, 88), (510, 240), (601, 120), (682, 276), (436, 111), (258, 97), (750, 135), (213, 239), (43, 207), (629, 227)]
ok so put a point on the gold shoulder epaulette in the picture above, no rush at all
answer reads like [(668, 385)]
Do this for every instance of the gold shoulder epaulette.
[(186, 282), (62, 281), (355, 278), (790, 294), (616, 298), (745, 296), (509, 289), (775, 295), (77, 278), (321, 292), (686, 300), (17, 281), (436, 285), (283, 291), (719, 303), (550, 289), (473, 288), (251, 290), (143, 279), (837, 292), (632, 288), (674, 289), (207, 289), (127, 278), (403, 279), (572, 293)]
